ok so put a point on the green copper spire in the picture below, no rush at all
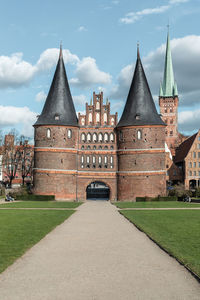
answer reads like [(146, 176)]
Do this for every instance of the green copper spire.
[(169, 88), (161, 90)]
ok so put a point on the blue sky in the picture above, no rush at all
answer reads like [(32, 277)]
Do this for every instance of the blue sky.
[(99, 44)]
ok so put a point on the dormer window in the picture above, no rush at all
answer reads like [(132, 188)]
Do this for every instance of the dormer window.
[(137, 116), (57, 117)]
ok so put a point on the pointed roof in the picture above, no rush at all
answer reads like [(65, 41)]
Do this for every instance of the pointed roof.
[(184, 148), (139, 108), (169, 87), (59, 107)]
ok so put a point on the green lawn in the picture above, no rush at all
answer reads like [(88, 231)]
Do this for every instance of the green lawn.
[(156, 204), (41, 204), (21, 229), (177, 231)]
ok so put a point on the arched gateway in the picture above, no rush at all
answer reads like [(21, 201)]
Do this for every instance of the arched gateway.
[(97, 190)]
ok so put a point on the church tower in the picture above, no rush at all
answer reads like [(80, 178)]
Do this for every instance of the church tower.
[(56, 138), (141, 143), (168, 101)]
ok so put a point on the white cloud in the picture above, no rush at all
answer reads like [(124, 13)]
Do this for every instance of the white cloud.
[(185, 55), (13, 116), (82, 28), (49, 58), (189, 120), (79, 99), (120, 90), (178, 1), (14, 71), (41, 96), (132, 17), (88, 74)]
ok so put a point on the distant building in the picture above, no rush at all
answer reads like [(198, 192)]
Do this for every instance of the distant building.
[(72, 156)]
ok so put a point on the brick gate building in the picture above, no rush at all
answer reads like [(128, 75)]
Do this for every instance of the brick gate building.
[(72, 153)]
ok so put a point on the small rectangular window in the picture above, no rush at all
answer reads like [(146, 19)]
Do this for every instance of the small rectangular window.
[(194, 154), (194, 173), (194, 164)]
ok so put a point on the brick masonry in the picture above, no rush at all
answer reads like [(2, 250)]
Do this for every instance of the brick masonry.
[(131, 166)]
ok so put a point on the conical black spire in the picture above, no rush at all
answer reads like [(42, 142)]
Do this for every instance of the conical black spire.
[(140, 108), (59, 107)]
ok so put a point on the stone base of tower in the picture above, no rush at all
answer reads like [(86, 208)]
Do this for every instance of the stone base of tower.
[(62, 186), (130, 187)]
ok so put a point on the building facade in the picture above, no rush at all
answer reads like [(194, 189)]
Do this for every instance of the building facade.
[(72, 155)]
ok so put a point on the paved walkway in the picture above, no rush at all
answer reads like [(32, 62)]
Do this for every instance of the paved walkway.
[(97, 255)]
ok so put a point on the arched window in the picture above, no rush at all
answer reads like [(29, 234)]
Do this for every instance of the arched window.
[(69, 133), (112, 121), (165, 110), (89, 137), (88, 159), (93, 159), (98, 117), (94, 137), (112, 137), (171, 121), (83, 138), (48, 133), (100, 159), (100, 137), (106, 137), (82, 159), (171, 132), (82, 121), (90, 117), (105, 159), (139, 134), (105, 119), (98, 105), (171, 110), (111, 159), (106, 147), (82, 147), (94, 147)]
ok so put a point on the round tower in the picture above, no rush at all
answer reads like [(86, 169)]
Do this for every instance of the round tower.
[(141, 143), (56, 138)]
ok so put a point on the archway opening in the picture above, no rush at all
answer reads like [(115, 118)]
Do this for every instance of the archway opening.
[(97, 190)]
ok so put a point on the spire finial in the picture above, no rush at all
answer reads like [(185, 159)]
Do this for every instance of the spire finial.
[(138, 49), (60, 49)]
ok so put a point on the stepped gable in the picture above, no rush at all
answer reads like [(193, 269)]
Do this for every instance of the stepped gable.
[(59, 107), (184, 148), (140, 108)]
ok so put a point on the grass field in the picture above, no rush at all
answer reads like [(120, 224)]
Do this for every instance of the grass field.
[(156, 204), (177, 231), (21, 229), (41, 204)]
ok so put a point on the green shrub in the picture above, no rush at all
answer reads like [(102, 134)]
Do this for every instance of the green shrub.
[(32, 197), (140, 199), (159, 198)]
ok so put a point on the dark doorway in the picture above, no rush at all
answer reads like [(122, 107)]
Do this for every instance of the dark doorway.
[(98, 190)]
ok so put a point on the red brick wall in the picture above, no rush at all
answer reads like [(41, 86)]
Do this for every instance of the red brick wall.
[(141, 162)]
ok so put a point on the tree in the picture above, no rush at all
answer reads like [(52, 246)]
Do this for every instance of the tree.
[(26, 159), (11, 157)]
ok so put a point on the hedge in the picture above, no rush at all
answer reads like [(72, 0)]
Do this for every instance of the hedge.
[(159, 198), (32, 197)]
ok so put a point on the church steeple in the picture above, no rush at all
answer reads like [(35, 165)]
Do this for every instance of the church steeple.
[(169, 87), (140, 108), (59, 107)]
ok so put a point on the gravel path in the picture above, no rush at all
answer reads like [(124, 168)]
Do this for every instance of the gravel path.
[(97, 255)]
